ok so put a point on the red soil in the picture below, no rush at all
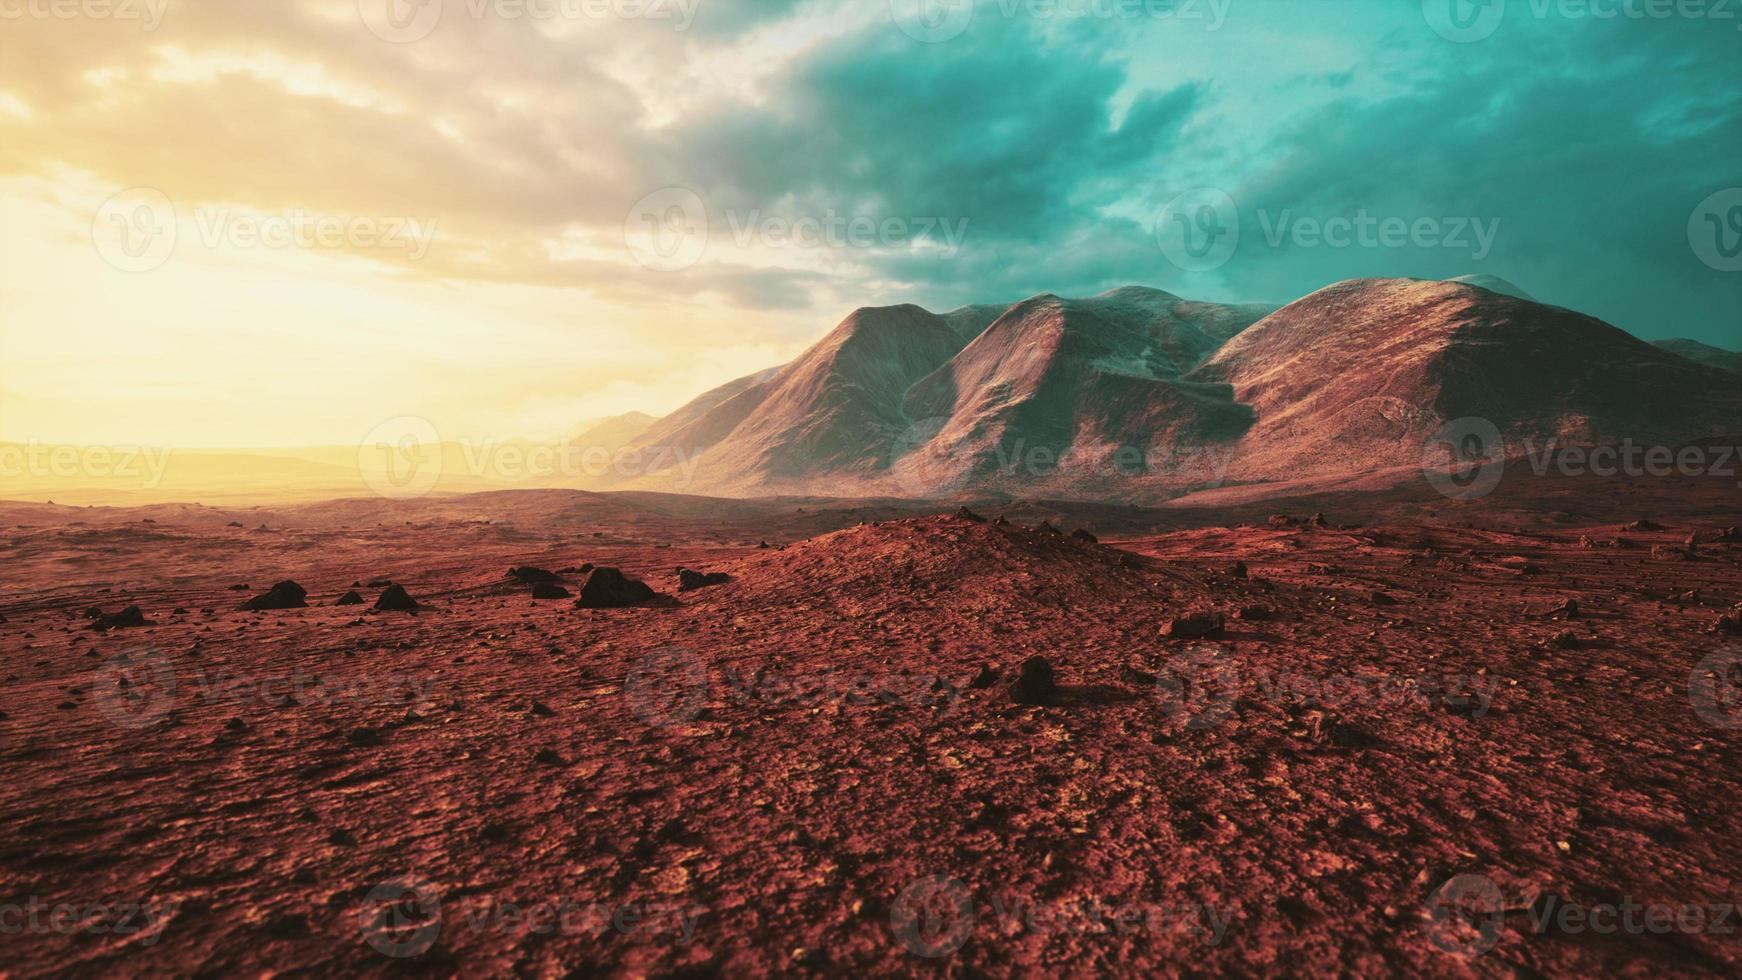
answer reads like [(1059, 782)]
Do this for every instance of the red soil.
[(785, 772)]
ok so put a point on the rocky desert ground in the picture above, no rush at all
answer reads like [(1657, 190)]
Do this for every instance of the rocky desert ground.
[(1341, 733)]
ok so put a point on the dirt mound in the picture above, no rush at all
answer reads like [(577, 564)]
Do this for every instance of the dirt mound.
[(944, 557)]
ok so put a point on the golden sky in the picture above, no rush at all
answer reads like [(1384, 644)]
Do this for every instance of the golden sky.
[(362, 228)]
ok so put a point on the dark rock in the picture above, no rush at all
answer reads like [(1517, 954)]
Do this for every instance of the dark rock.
[(1282, 520), (1318, 520), (1381, 599), (1730, 623), (1196, 625), (987, 677), (764, 544), (1255, 613), (1084, 536), (1566, 640), (527, 575), (239, 587), (549, 590), (689, 580), (578, 569), (1238, 570), (235, 524), (609, 588), (1666, 552), (549, 757), (378, 583), (396, 599), (967, 515), (1035, 685), (1566, 610), (128, 618), (349, 599), (1000, 522), (284, 595), (1046, 528), (1642, 525)]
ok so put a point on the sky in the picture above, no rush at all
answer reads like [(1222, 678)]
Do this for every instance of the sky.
[(287, 222)]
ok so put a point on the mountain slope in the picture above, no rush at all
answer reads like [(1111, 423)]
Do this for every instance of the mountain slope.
[(1700, 353), (1077, 392), (1360, 374)]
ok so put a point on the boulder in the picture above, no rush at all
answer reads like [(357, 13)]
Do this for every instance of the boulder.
[(527, 575), (549, 590), (609, 588), (128, 618), (689, 579), (284, 595), (1036, 684), (349, 599), (396, 599), (1196, 625)]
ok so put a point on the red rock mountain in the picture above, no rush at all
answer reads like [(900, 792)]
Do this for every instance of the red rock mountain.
[(1137, 394)]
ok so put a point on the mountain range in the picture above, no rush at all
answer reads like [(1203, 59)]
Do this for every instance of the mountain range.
[(1137, 393)]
